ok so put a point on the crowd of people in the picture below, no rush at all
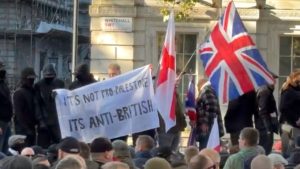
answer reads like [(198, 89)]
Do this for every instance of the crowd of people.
[(101, 153), (251, 120)]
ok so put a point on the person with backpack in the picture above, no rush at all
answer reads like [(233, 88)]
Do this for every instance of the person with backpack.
[(248, 141)]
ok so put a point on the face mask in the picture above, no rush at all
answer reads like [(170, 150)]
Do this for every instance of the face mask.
[(81, 77), (48, 80), (2, 74), (29, 82)]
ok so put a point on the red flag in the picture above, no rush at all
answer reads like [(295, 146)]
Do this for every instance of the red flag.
[(165, 87)]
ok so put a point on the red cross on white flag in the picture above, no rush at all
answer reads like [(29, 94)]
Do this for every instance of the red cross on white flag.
[(165, 87)]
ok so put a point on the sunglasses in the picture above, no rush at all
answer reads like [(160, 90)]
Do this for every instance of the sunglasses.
[(212, 167)]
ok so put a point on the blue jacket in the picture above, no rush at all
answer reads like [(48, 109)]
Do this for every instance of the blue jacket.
[(141, 158)]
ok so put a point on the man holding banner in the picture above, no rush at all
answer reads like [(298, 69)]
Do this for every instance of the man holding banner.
[(114, 69), (90, 111)]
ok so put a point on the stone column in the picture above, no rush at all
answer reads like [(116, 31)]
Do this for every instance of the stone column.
[(112, 35)]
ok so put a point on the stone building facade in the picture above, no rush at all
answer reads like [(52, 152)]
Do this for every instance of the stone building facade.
[(273, 24)]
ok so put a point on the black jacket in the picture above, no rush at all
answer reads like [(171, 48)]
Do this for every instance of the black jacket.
[(5, 103), (290, 105), (266, 118), (294, 157), (240, 111), (24, 108), (80, 83), (46, 103), (83, 77)]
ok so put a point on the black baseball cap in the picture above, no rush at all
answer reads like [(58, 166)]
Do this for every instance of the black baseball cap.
[(101, 145), (69, 145)]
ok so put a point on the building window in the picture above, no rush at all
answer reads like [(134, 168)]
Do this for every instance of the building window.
[(185, 46), (289, 59)]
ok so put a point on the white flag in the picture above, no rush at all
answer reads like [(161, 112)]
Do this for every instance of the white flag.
[(165, 90), (214, 137)]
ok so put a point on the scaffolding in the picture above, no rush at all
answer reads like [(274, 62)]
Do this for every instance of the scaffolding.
[(20, 19)]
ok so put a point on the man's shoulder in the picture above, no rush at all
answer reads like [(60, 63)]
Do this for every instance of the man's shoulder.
[(91, 164), (208, 91), (234, 161), (54, 164), (59, 81), (75, 84), (236, 156), (19, 92)]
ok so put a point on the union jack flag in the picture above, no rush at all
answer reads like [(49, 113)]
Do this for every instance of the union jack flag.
[(231, 60), (190, 103), (190, 110)]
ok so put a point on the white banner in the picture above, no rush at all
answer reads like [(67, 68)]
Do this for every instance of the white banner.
[(111, 108)]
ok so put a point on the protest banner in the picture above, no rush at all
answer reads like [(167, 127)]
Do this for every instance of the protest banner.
[(112, 108)]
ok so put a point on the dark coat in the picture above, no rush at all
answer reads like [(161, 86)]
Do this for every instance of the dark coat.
[(83, 77), (240, 111), (266, 118), (141, 158), (24, 108), (294, 157), (80, 83), (46, 103), (6, 111), (290, 105)]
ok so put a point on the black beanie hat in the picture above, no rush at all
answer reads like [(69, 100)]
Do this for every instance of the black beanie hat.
[(101, 145)]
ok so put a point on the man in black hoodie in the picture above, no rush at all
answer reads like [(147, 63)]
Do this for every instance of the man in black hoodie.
[(83, 77), (5, 110), (48, 128), (25, 106)]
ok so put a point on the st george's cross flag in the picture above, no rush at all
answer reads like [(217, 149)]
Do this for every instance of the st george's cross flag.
[(231, 59), (165, 86)]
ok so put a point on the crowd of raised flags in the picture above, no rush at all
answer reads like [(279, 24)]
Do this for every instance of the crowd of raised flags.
[(231, 60)]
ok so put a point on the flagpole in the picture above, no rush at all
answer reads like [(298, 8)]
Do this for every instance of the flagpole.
[(185, 66), (75, 37)]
